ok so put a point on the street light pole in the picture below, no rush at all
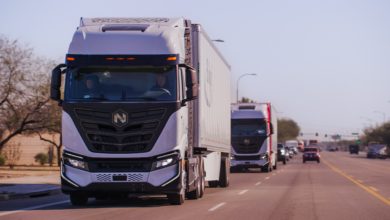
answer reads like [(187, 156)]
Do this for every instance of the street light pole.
[(238, 80)]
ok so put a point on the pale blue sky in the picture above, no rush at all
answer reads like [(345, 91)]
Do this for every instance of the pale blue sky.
[(325, 64)]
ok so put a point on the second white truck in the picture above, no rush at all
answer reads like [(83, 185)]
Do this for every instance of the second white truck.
[(254, 137)]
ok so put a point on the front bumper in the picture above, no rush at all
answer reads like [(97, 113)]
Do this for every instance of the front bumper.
[(311, 158), (249, 163), (161, 181)]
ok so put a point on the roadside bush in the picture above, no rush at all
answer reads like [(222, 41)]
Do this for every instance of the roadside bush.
[(2, 160), (12, 154), (41, 158)]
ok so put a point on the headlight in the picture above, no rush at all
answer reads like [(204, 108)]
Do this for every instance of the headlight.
[(263, 156), (165, 161), (76, 163)]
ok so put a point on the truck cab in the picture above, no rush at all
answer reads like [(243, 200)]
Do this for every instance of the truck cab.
[(131, 114)]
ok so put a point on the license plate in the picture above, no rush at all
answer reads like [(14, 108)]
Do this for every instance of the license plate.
[(119, 178)]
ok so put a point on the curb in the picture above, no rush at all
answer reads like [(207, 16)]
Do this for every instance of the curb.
[(46, 192)]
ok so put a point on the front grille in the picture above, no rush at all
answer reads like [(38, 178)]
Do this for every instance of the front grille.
[(254, 145), (255, 157), (136, 136)]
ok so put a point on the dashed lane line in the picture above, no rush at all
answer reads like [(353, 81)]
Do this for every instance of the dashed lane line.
[(34, 207), (258, 183), (243, 192), (217, 206), (267, 177)]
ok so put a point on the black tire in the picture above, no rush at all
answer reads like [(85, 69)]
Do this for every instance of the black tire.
[(275, 167), (176, 199), (213, 184), (196, 193), (203, 181), (224, 173), (284, 161), (304, 161), (266, 168), (318, 161), (78, 199)]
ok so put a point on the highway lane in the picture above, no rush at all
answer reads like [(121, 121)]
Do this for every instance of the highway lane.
[(294, 191)]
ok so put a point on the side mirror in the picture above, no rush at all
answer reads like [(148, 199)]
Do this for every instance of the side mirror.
[(55, 92), (191, 84)]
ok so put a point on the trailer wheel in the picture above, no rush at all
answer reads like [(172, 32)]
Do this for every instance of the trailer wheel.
[(224, 173), (78, 199), (203, 175)]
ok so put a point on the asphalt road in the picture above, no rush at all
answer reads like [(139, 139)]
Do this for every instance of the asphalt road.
[(340, 187)]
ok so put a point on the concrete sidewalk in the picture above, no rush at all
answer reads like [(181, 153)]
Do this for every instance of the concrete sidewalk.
[(29, 186)]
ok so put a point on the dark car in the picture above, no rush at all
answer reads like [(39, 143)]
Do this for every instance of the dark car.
[(377, 151), (354, 149), (311, 154), (282, 153)]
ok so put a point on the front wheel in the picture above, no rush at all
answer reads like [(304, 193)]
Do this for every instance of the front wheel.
[(176, 199), (224, 173), (78, 199)]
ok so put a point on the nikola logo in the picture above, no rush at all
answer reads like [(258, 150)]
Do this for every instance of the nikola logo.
[(119, 118), (247, 141)]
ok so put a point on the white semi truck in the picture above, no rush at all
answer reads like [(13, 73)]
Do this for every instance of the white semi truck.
[(146, 110), (254, 137)]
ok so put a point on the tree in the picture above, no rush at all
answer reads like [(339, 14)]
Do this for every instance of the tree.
[(246, 100), (380, 134), (24, 91), (287, 129)]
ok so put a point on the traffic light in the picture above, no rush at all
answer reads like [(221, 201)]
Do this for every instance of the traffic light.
[(326, 135), (317, 134)]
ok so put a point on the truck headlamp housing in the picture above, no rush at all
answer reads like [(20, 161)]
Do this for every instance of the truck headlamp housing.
[(263, 156), (76, 163), (165, 161)]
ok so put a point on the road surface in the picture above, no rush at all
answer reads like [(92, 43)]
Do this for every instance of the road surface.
[(340, 187)]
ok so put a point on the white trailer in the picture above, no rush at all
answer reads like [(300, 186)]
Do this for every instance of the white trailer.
[(254, 137), (145, 110)]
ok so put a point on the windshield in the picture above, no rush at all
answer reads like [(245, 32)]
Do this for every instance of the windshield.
[(248, 127), (118, 84)]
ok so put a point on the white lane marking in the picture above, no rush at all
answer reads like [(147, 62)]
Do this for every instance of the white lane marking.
[(243, 191), (217, 206), (34, 207), (267, 177), (258, 183), (360, 181), (373, 188), (273, 174)]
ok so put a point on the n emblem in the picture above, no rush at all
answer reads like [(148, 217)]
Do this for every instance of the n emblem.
[(119, 118)]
